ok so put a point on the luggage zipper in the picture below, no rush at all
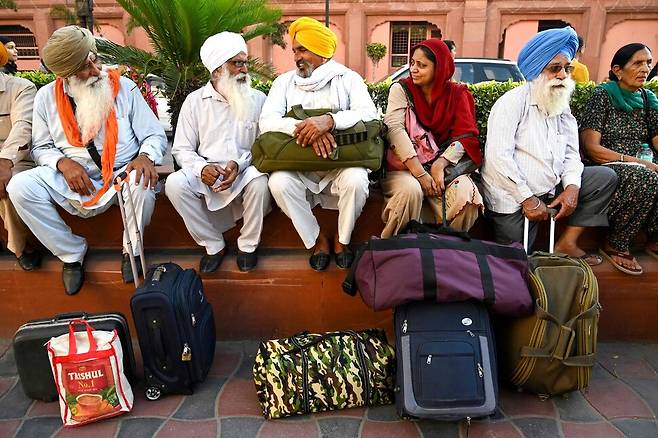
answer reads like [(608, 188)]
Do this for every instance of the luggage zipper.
[(480, 370), (362, 361), (187, 353), (429, 360), (404, 326)]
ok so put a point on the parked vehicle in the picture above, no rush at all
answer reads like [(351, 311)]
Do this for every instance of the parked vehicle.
[(474, 70)]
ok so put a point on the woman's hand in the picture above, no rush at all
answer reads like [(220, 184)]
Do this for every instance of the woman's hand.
[(438, 173), (428, 185)]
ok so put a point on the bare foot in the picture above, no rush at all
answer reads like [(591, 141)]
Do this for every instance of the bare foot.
[(338, 247), (574, 251), (321, 244)]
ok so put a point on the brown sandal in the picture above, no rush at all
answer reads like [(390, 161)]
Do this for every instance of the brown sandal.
[(609, 254)]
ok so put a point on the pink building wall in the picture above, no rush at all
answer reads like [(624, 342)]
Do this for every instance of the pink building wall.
[(479, 27)]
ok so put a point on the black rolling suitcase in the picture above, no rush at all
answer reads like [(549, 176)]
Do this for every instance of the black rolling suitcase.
[(446, 361), (34, 369), (176, 330)]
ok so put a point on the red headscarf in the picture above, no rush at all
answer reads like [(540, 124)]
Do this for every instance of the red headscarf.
[(452, 110)]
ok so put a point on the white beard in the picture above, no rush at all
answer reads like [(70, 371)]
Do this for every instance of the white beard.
[(550, 99), (236, 89), (306, 73), (93, 101)]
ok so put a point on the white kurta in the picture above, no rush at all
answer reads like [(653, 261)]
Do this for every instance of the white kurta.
[(35, 192), (208, 132), (333, 86)]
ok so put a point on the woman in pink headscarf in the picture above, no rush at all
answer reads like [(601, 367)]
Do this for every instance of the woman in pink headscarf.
[(446, 110)]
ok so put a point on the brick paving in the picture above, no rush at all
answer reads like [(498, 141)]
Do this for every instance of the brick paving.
[(622, 401)]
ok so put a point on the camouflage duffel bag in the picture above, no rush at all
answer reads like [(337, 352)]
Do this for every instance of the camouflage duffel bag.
[(320, 372)]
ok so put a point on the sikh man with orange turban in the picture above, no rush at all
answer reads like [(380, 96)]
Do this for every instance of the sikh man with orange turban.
[(16, 102), (89, 126), (319, 82)]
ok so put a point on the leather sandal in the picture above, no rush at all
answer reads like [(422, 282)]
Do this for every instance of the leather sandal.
[(609, 254)]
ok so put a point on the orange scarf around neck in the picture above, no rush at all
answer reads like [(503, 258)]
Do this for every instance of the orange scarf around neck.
[(72, 131)]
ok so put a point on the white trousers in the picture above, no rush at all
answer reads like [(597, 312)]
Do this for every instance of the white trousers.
[(350, 186), (206, 227), (35, 202)]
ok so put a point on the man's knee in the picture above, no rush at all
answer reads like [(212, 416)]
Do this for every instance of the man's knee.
[(354, 180), (23, 189), (259, 184), (280, 182), (176, 184), (602, 177)]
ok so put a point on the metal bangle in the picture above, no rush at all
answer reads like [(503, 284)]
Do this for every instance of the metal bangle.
[(536, 206), (421, 175)]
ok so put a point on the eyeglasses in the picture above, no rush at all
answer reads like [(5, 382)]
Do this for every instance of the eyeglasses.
[(238, 64), (92, 60), (555, 68)]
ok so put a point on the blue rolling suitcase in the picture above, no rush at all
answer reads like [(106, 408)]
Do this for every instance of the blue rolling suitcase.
[(446, 361), (176, 330)]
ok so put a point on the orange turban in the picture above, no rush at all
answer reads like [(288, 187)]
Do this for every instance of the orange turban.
[(4, 55), (314, 36)]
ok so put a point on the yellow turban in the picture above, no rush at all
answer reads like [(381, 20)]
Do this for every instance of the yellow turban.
[(314, 36), (67, 50), (4, 55)]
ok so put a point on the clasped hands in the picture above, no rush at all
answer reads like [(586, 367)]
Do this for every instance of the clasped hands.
[(315, 131), (211, 172)]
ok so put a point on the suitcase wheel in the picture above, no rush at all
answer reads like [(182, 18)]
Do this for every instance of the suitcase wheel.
[(153, 393)]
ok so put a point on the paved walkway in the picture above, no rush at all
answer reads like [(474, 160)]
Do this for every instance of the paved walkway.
[(621, 401)]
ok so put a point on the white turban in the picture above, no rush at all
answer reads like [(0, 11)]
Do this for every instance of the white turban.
[(219, 48)]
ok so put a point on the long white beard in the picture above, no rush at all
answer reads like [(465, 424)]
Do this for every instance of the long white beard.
[(552, 100), (236, 89), (93, 101)]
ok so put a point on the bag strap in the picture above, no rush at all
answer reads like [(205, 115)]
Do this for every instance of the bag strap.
[(73, 347), (563, 343), (90, 146)]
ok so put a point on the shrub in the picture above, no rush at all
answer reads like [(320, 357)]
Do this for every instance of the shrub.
[(36, 77)]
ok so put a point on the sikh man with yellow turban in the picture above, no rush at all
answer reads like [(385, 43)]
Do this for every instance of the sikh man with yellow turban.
[(88, 126), (16, 102), (319, 82)]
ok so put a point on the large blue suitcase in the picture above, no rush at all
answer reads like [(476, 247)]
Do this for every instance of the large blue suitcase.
[(446, 361), (175, 328)]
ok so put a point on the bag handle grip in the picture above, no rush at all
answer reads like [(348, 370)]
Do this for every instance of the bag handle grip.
[(73, 347)]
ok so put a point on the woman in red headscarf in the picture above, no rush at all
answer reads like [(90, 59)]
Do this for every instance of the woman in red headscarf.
[(428, 100)]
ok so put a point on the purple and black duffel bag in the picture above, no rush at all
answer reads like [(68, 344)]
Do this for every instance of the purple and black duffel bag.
[(443, 266)]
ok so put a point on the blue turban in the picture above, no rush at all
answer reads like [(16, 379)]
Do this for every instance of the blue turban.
[(543, 47)]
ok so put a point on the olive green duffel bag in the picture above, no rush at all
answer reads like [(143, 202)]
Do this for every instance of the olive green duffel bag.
[(321, 372), (359, 146), (553, 351)]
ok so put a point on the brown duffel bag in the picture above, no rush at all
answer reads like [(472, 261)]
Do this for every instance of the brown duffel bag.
[(553, 351)]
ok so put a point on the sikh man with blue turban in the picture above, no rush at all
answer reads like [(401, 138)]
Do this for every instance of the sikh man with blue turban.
[(318, 82), (532, 160)]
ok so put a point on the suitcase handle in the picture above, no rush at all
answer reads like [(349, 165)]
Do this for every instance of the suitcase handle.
[(71, 315), (73, 346)]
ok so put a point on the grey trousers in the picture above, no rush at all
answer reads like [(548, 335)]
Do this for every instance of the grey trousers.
[(598, 184)]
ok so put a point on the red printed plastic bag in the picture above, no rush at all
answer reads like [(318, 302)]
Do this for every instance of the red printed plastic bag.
[(88, 371)]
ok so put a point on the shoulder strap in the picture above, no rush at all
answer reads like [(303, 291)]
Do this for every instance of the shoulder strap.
[(410, 97)]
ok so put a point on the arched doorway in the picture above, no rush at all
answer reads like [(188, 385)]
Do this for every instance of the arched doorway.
[(26, 43)]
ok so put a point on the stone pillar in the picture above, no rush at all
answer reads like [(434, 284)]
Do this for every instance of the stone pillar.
[(475, 26), (43, 26), (355, 35), (594, 39)]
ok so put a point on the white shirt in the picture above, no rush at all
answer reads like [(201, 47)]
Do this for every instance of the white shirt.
[(208, 132), (527, 153), (331, 85), (139, 130)]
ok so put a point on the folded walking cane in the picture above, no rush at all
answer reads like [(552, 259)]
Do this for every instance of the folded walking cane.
[(120, 179)]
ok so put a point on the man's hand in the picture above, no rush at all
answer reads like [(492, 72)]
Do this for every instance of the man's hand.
[(568, 201), (438, 174), (534, 209), (324, 145), (307, 131), (144, 167), (230, 173), (5, 176), (76, 176), (210, 173)]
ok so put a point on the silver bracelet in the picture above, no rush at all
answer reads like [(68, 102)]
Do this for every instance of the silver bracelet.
[(536, 206), (421, 175)]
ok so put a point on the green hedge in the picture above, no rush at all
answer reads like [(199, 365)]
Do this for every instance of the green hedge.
[(485, 94)]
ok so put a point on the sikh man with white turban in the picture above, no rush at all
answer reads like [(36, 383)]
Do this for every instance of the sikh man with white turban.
[(217, 184), (532, 160), (319, 82), (88, 126), (16, 103)]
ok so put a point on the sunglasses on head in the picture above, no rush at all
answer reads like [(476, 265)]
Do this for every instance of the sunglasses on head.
[(555, 68)]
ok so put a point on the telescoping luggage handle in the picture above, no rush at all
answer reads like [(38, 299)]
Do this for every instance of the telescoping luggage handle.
[(551, 240), (118, 183)]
